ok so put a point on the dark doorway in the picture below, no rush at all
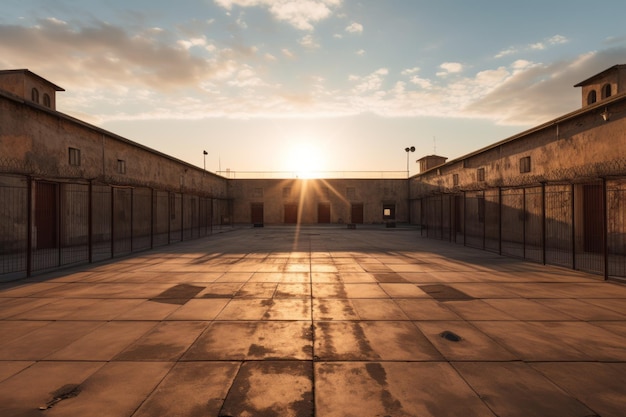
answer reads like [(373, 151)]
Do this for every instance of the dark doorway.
[(323, 213), (593, 220), (46, 215), (356, 213), (256, 213), (291, 213)]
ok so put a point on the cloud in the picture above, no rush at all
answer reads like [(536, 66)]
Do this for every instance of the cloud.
[(371, 82), (354, 28), (308, 41), (360, 52), (535, 46), (301, 14), (450, 68)]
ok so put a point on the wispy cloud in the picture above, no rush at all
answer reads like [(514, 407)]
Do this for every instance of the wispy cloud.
[(354, 28), (301, 14), (536, 46)]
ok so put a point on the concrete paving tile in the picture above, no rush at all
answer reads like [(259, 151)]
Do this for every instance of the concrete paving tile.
[(22, 394), (399, 389), (530, 342), (167, 341), (477, 310), (151, 310), (582, 310), (14, 329), (349, 267), (485, 290), (330, 309), (294, 277), (37, 289), (266, 277), (288, 309), (257, 290), (357, 278), (364, 291), (245, 309), (426, 309), (39, 343), (606, 346), (10, 368), (10, 307), (220, 290), (297, 267), (342, 340), (600, 386), (373, 309), (617, 327), (325, 278), (617, 305), (199, 309), (56, 310), (191, 389), (473, 345), (106, 309), (235, 277), (328, 290), (297, 290), (291, 394), (116, 389), (511, 389), (103, 343), (260, 340), (403, 291), (523, 309)]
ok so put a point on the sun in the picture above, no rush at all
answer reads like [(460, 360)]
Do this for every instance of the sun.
[(305, 160)]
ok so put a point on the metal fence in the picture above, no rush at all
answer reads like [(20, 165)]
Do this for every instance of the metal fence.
[(47, 224), (577, 225)]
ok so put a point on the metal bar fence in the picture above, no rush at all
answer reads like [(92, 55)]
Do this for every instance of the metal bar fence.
[(48, 224), (579, 226)]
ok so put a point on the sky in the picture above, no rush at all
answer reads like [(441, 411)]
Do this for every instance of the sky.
[(314, 85)]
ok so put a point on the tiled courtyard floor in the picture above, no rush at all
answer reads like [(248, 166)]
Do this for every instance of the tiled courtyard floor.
[(324, 322)]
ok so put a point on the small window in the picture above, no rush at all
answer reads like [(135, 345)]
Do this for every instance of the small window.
[(351, 193), (257, 192), (389, 211), (286, 192), (121, 166), (34, 95), (591, 97), (606, 90), (480, 174), (46, 100), (524, 164), (74, 156), (326, 192), (455, 179)]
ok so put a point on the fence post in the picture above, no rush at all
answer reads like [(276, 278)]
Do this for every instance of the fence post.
[(152, 215), (112, 222), (524, 222), (543, 223), (90, 220), (499, 220), (573, 190), (29, 227), (605, 229)]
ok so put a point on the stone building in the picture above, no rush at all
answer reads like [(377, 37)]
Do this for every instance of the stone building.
[(554, 193), (72, 192)]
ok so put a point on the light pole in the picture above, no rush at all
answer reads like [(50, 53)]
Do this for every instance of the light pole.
[(408, 184), (205, 153), (407, 150)]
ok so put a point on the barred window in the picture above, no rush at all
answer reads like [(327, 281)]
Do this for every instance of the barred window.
[(74, 156), (34, 95), (46, 100), (524, 164), (455, 179), (257, 192), (480, 174), (121, 166)]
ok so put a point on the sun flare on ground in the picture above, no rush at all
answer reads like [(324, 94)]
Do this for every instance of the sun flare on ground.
[(305, 160)]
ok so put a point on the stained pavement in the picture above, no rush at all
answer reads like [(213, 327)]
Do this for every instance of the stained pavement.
[(313, 322)]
